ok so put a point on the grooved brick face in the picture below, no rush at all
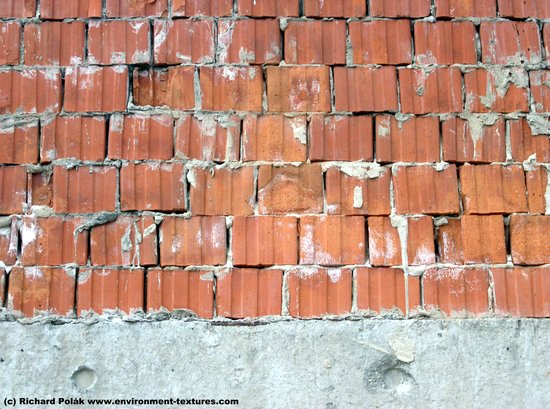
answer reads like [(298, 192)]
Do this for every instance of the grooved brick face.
[(243, 159)]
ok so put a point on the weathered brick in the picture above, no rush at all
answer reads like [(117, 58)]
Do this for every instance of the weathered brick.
[(30, 91), (19, 142), (529, 239), (445, 42), (399, 8), (173, 87), (510, 42), (315, 42), (202, 7), (536, 180), (133, 8), (343, 8), (9, 239), (461, 8), (10, 37), (183, 41), (62, 9), (13, 189), (268, 8)]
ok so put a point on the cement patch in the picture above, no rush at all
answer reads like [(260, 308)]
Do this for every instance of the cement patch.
[(486, 363)]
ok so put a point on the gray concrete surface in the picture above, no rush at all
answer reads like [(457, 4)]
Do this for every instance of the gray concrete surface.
[(486, 363)]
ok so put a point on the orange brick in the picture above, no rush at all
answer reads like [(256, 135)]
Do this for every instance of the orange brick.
[(127, 241), (423, 189), (461, 8), (437, 90), (99, 89), (315, 42), (268, 8), (383, 290), (399, 8), (108, 290), (61, 9), (340, 137), (173, 87), (118, 42), (349, 194), (222, 191), (524, 143), (202, 7), (13, 189), (332, 240), (19, 142), (152, 186), (343, 8), (522, 292), (540, 89), (381, 42), (315, 292), (133, 8), (361, 89), (141, 137), (17, 8), (537, 185), (231, 88), (36, 290), (510, 42), (40, 189), (194, 241), (415, 139), (10, 37), (249, 41), (546, 40), (456, 291), (247, 292), (30, 91), (290, 189), (9, 238), (264, 240), (445, 42), (181, 289), (493, 189), (183, 41), (529, 239), (274, 138), (524, 9), (450, 243)]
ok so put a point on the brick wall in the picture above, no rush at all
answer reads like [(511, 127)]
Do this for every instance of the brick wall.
[(258, 157)]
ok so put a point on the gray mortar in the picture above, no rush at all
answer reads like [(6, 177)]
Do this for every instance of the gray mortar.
[(490, 363)]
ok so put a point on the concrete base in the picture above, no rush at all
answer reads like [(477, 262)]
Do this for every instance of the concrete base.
[(486, 363)]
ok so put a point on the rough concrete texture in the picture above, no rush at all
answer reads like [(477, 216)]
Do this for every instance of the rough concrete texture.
[(489, 363)]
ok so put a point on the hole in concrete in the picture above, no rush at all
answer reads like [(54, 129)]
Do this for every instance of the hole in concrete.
[(84, 378), (398, 380)]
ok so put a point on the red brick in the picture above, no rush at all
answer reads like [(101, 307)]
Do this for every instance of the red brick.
[(247, 292), (381, 42), (449, 242), (17, 8), (152, 186), (524, 9), (461, 8), (290, 189), (420, 241), (136, 8), (249, 41), (268, 8), (19, 142), (343, 8), (172, 87), (10, 37), (2, 285), (298, 89), (414, 139), (222, 191), (100, 89), (30, 91), (540, 89), (106, 290), (208, 137), (53, 241), (423, 189), (86, 189), (36, 290), (445, 42), (274, 138), (54, 43), (193, 241), (264, 240), (365, 89), (340, 137), (13, 189), (522, 292), (315, 292), (62, 9), (127, 241), (485, 93), (202, 7), (510, 42), (546, 40), (383, 290), (118, 42), (493, 189), (400, 8), (83, 138), (231, 88), (332, 240), (456, 291), (351, 193), (181, 289), (430, 90), (9, 238), (40, 188), (537, 185), (529, 239), (472, 141), (141, 137), (183, 41), (315, 42), (524, 144)]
